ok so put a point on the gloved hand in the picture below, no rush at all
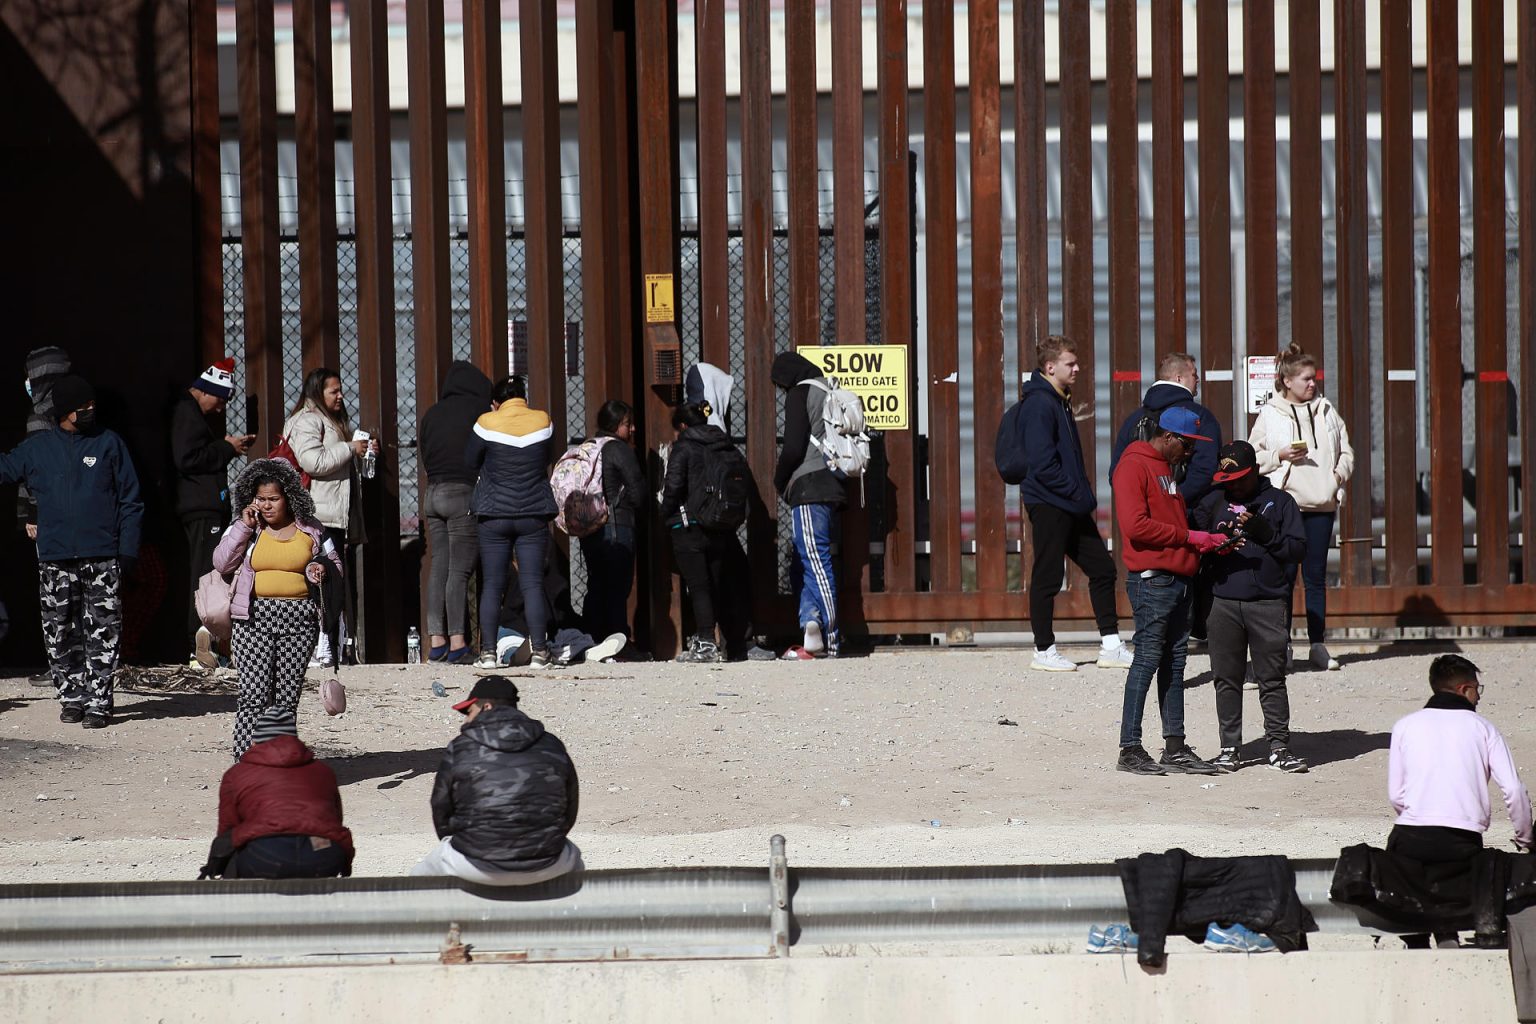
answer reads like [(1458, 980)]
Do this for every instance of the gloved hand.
[(1204, 542), (1259, 529)]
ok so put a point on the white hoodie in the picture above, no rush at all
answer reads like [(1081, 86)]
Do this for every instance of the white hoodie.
[(1316, 481)]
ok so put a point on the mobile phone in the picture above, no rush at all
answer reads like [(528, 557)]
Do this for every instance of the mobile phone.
[(1233, 540), (1299, 445), (252, 414)]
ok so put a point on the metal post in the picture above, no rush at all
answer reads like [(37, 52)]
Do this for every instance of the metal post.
[(778, 879)]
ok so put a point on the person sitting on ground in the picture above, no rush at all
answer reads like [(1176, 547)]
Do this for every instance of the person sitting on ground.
[(1250, 612), (505, 798), (1441, 759), (280, 810)]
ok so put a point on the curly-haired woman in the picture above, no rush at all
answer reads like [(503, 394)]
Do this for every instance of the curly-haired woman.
[(278, 549)]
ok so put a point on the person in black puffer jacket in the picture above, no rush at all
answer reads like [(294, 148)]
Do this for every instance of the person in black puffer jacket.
[(610, 552), (711, 562), (506, 796)]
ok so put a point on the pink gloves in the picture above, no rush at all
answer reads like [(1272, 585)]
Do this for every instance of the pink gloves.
[(1206, 542)]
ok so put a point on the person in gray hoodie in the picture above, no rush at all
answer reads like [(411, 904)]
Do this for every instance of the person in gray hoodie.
[(814, 494)]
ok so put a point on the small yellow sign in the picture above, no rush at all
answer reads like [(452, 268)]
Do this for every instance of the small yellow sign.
[(876, 373), (658, 299)]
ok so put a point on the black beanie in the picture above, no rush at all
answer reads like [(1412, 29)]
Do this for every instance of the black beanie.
[(71, 393)]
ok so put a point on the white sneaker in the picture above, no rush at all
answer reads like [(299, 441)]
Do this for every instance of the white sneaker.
[(813, 640), (322, 655), (1118, 656), (1322, 660), (609, 648), (487, 660), (1051, 660)]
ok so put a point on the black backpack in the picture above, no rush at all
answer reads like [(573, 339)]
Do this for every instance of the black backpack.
[(725, 489), (1012, 463)]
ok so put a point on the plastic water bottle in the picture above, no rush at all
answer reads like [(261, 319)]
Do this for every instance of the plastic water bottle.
[(413, 647), (370, 461)]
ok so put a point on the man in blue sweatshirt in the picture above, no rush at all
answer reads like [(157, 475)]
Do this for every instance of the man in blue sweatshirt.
[(1251, 607), (1060, 501), (89, 519)]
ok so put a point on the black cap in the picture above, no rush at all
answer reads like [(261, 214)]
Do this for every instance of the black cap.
[(489, 688), (1236, 460), (71, 393)]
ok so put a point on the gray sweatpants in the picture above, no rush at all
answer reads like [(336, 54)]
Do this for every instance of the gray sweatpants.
[(1256, 630)]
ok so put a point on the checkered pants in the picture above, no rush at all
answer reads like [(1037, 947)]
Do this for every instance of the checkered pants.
[(82, 614), (272, 651)]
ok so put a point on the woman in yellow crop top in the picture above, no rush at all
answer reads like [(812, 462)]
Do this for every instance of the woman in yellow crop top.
[(278, 548)]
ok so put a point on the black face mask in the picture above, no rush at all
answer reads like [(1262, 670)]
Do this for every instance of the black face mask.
[(85, 420)]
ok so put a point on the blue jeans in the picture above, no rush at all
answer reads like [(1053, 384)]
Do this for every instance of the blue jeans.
[(1318, 526), (528, 536), (1161, 604), (289, 857), (813, 575)]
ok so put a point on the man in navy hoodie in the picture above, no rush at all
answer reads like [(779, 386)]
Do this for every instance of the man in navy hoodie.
[(89, 519), (1060, 501)]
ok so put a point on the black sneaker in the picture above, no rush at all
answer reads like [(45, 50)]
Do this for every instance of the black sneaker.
[(71, 715), (95, 720), (1227, 761), (1184, 760), (1283, 760), (1138, 762)]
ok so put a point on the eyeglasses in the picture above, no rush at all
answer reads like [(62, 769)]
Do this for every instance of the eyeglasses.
[(1187, 442)]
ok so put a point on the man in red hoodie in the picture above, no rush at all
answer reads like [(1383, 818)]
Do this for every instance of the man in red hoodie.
[(1161, 556)]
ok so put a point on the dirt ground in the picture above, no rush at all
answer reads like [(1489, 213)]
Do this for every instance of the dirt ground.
[(909, 756)]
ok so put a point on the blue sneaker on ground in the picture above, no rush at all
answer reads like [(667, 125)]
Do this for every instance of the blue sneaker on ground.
[(1236, 939), (1115, 938)]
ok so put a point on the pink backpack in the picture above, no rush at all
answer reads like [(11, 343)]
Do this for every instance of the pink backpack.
[(580, 507)]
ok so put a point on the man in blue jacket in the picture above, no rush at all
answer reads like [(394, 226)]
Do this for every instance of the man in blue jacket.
[(1177, 384), (89, 519), (1060, 501)]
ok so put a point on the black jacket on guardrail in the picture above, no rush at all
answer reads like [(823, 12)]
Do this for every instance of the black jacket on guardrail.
[(506, 792)]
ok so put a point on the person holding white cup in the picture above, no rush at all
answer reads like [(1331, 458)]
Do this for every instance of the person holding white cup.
[(1303, 447)]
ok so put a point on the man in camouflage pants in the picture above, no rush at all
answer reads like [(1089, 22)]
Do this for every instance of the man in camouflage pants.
[(89, 517)]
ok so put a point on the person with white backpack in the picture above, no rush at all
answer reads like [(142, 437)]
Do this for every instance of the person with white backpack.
[(824, 446), (509, 452)]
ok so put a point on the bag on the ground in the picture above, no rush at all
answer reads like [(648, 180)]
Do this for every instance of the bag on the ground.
[(843, 442), (1008, 452), (723, 500), (281, 449), (580, 507)]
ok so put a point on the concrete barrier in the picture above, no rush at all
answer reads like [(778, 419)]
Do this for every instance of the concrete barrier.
[(1308, 988)]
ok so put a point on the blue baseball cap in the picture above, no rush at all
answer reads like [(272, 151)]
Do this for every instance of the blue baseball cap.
[(1178, 420)]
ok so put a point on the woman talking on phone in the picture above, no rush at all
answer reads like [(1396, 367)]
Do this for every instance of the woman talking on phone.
[(1303, 447), (278, 549)]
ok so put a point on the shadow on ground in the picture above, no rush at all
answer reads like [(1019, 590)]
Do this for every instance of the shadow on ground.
[(149, 707), (393, 766), (1327, 747)]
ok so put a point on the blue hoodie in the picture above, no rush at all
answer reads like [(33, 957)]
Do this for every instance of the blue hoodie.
[(1054, 450), (88, 503), (1202, 463)]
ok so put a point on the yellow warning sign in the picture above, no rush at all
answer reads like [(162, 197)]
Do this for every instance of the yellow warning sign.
[(876, 373), (658, 299)]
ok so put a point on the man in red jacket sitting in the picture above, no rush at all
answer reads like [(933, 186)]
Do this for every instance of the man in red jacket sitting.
[(280, 810), (1161, 556)]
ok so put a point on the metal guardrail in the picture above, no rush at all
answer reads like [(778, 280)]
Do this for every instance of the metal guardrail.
[(595, 915)]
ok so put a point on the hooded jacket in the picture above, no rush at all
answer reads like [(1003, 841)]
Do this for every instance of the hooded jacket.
[(233, 554), (1055, 475), (624, 486), (509, 450), (87, 493), (201, 459), (802, 476), (446, 427), (1167, 394), (1316, 481), (506, 792), (684, 486), (1151, 514), (1253, 571), (706, 382), (279, 789), (324, 452)]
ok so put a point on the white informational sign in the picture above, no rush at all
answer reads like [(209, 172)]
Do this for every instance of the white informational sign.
[(1261, 381)]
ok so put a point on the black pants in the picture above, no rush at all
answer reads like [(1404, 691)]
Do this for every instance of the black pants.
[(1434, 844), (713, 568), (1058, 534), (610, 557), (1240, 630), (202, 533), (288, 857)]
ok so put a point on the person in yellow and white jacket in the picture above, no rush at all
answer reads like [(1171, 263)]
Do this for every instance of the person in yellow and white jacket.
[(1303, 447)]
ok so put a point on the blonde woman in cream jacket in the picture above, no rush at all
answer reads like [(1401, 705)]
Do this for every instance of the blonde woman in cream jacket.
[(1303, 447)]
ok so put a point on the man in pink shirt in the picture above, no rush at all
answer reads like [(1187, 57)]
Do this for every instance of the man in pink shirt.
[(1437, 777)]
